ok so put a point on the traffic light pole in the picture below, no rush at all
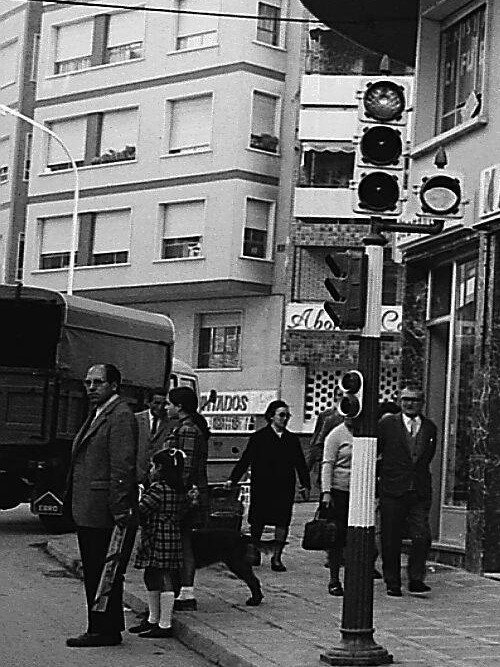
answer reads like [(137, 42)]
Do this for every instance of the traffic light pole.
[(357, 646)]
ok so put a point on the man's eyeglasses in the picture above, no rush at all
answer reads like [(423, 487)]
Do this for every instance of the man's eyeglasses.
[(283, 414), (411, 400), (96, 382)]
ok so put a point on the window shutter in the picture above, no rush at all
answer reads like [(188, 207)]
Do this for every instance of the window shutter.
[(119, 129), (9, 63), (74, 40), (192, 24), (211, 320), (263, 114), (4, 152), (125, 28), (111, 232), (185, 219), (72, 132), (257, 214), (56, 235), (191, 123)]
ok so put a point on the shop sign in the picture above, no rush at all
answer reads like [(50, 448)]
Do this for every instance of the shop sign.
[(312, 317), (489, 192), (236, 411)]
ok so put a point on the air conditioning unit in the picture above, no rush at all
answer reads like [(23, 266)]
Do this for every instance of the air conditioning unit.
[(194, 250)]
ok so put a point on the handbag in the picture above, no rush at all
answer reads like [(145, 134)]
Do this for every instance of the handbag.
[(320, 533)]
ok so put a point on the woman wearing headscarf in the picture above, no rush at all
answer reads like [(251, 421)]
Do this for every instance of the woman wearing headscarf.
[(275, 457)]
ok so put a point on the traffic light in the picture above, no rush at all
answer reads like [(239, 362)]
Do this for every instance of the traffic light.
[(351, 402), (440, 194), (381, 148), (347, 286)]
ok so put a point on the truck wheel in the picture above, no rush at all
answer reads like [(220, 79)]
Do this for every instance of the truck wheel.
[(56, 524)]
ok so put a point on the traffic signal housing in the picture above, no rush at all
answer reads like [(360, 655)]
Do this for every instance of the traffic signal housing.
[(347, 287), (380, 148), (440, 196), (351, 402)]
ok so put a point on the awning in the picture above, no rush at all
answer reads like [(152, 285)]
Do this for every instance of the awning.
[(384, 26), (328, 146)]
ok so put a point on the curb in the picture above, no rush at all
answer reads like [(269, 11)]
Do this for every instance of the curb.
[(210, 644)]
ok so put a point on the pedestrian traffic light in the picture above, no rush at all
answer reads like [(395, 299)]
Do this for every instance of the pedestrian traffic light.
[(347, 286), (440, 193), (380, 148), (351, 402)]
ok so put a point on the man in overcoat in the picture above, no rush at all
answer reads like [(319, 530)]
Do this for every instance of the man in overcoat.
[(154, 425), (102, 493), (407, 444)]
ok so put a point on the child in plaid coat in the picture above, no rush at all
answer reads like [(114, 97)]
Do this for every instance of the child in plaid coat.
[(160, 549)]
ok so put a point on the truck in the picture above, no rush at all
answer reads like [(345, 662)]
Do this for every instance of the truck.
[(49, 339)]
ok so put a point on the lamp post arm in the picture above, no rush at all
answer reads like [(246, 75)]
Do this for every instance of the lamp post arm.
[(74, 232)]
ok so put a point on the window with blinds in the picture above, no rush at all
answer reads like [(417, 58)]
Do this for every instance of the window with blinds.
[(268, 24), (55, 242), (72, 132), (111, 238), (125, 37), (117, 139), (257, 228), (182, 230), (264, 122), (4, 159), (195, 31), (190, 124), (9, 63), (74, 47), (219, 339)]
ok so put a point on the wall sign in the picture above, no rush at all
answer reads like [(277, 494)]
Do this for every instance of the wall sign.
[(312, 317), (236, 411)]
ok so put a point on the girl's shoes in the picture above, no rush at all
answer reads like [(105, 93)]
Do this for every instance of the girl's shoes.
[(277, 565), (335, 588), (157, 633), (143, 626)]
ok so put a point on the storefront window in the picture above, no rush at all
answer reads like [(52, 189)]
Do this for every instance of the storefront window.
[(460, 428), (441, 291)]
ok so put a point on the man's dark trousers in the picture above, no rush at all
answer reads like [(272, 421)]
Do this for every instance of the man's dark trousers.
[(93, 544), (401, 513)]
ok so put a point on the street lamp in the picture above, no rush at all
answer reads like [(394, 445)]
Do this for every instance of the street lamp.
[(74, 233)]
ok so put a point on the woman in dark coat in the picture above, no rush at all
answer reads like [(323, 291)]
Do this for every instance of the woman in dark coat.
[(275, 456)]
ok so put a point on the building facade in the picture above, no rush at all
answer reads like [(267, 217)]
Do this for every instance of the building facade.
[(182, 129)]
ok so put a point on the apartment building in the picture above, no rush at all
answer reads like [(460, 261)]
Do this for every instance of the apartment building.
[(182, 130), (19, 42)]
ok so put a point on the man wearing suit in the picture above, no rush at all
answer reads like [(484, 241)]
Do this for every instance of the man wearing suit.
[(154, 425), (407, 443), (102, 493)]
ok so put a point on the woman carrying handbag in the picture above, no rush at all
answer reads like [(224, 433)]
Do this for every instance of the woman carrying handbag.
[(335, 479)]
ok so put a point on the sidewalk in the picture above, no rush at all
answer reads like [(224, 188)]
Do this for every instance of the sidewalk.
[(456, 624)]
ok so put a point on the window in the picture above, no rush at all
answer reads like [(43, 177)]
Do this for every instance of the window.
[(98, 138), (73, 47), (190, 124), (72, 132), (20, 257), (264, 114), (4, 159), (196, 31), (327, 167), (111, 237), (9, 63), (28, 141), (55, 243), (257, 226), (116, 136), (182, 225), (34, 57), (462, 64), (219, 340), (125, 37), (268, 24), (104, 39)]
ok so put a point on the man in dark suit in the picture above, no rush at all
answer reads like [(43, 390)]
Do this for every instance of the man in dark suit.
[(102, 493), (154, 425), (407, 443)]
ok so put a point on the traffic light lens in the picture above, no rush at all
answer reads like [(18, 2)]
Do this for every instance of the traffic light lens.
[(384, 101), (349, 406), (382, 145), (440, 195), (378, 191), (351, 382)]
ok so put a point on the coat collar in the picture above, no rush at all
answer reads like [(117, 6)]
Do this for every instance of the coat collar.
[(82, 435)]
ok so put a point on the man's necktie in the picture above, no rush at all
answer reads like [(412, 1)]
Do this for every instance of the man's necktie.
[(154, 425), (413, 427)]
